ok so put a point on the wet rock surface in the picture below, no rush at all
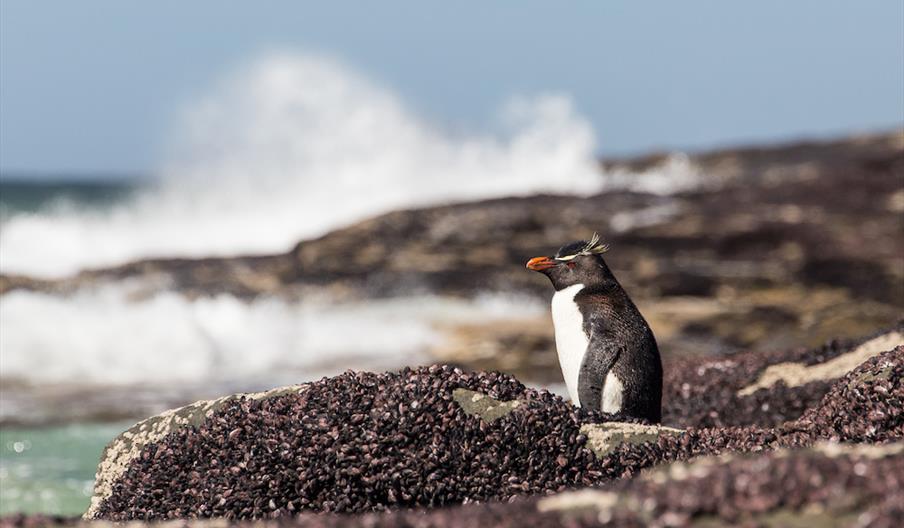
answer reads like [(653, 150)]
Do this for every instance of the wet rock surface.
[(437, 436)]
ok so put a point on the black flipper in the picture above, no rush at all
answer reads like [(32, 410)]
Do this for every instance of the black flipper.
[(599, 359)]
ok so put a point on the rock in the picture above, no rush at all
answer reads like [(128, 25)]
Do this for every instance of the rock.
[(797, 374), (123, 449), (828, 484), (437, 437), (867, 404), (871, 409), (361, 442), (762, 388), (602, 438)]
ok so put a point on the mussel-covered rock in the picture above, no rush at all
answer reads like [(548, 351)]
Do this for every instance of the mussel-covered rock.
[(437, 436)]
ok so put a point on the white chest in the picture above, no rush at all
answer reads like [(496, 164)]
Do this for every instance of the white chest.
[(571, 342), (613, 393)]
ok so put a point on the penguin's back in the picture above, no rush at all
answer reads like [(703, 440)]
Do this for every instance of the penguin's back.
[(616, 329), (640, 374)]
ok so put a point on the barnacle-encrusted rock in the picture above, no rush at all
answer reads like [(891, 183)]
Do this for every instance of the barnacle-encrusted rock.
[(762, 388), (797, 374), (128, 445), (437, 436), (867, 404), (829, 484), (602, 438), (362, 442)]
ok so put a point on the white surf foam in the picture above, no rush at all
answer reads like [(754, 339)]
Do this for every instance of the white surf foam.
[(675, 174), (294, 145), (105, 337)]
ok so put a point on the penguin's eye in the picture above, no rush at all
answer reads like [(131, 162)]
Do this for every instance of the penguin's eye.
[(570, 265)]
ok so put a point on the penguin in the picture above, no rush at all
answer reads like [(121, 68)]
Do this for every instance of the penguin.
[(606, 350)]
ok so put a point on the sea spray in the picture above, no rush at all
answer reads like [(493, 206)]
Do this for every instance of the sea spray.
[(292, 146), (107, 337)]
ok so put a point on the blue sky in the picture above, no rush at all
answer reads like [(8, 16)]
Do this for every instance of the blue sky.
[(97, 86)]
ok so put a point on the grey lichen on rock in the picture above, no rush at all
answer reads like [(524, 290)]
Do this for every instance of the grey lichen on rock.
[(484, 407), (797, 374), (788, 517), (884, 374), (120, 452), (604, 438), (871, 451), (580, 500), (700, 467), (697, 468), (606, 503)]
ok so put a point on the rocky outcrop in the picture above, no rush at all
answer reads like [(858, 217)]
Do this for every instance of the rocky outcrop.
[(120, 453), (799, 374), (763, 388), (774, 489), (437, 436), (362, 442)]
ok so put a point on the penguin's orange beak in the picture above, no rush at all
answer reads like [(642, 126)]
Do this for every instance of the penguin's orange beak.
[(541, 263)]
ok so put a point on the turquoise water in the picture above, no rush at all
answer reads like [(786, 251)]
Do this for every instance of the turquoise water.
[(51, 469)]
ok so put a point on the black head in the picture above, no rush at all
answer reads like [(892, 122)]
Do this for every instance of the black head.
[(579, 262)]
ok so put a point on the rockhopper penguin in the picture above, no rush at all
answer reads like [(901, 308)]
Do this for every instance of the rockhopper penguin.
[(606, 349)]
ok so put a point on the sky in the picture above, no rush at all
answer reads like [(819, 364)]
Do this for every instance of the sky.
[(97, 87)]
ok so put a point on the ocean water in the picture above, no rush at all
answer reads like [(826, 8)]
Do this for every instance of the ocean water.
[(287, 147), (51, 469)]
